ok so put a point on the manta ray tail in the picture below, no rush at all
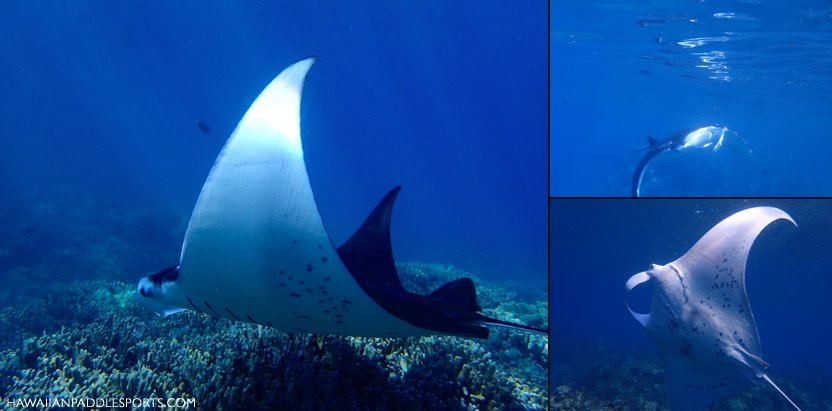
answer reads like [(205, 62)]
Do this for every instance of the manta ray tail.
[(768, 380), (501, 323)]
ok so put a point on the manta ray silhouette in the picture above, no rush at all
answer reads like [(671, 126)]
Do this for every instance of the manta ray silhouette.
[(256, 249), (708, 137), (700, 316)]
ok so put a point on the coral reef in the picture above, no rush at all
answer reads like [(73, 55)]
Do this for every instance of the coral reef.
[(79, 238), (591, 376), (90, 338)]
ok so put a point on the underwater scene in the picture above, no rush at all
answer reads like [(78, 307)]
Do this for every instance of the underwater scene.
[(652, 304), (691, 98), (274, 205)]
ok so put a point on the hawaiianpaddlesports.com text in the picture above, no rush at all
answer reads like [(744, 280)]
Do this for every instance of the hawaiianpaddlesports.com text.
[(100, 403)]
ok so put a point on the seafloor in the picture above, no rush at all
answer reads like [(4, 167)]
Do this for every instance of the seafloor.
[(593, 376), (65, 333)]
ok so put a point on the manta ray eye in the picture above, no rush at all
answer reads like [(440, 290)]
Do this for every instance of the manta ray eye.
[(652, 267)]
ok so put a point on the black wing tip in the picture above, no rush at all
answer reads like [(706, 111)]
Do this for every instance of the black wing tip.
[(390, 197)]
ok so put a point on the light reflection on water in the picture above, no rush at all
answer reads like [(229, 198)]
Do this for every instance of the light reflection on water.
[(757, 45)]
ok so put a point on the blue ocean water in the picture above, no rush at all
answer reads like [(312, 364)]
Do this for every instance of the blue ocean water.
[(622, 71), (598, 244), (446, 99)]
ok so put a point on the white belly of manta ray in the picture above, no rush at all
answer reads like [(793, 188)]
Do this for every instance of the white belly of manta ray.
[(256, 249), (700, 316)]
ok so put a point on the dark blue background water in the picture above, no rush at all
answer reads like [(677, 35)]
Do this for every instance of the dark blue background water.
[(624, 70), (448, 99), (598, 244)]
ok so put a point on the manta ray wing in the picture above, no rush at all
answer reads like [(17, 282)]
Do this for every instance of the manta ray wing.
[(256, 248), (638, 174), (713, 272)]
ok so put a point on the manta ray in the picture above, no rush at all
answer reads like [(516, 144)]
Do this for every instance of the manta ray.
[(700, 316), (708, 137), (256, 249)]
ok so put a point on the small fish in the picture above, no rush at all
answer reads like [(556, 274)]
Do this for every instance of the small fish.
[(203, 127)]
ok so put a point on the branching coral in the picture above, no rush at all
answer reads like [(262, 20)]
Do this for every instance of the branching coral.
[(90, 339)]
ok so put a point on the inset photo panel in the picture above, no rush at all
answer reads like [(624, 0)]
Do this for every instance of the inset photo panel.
[(690, 99), (691, 304)]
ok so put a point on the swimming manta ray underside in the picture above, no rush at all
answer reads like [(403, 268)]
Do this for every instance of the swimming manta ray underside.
[(700, 316), (256, 249)]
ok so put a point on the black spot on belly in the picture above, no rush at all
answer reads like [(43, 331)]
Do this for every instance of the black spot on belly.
[(282, 284), (281, 272), (309, 290), (339, 322), (294, 294), (294, 241), (320, 247), (291, 278), (346, 301), (338, 316), (324, 259), (327, 311), (269, 324), (327, 279), (309, 267), (301, 282)]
